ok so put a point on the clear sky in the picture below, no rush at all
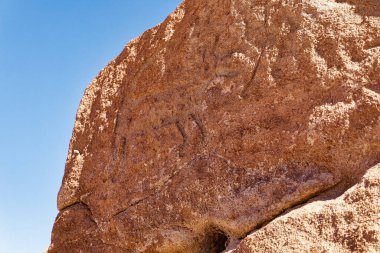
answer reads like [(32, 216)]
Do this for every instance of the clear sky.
[(49, 51)]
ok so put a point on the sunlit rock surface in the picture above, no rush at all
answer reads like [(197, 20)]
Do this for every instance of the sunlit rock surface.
[(229, 113)]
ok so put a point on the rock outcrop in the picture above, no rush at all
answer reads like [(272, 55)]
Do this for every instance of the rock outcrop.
[(349, 223), (225, 116)]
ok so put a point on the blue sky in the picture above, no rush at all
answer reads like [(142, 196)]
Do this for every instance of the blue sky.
[(49, 51)]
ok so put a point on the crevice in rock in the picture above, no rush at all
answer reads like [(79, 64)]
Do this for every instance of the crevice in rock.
[(78, 202), (215, 241), (132, 205), (82, 204)]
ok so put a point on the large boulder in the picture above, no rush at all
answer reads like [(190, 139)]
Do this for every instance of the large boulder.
[(210, 125)]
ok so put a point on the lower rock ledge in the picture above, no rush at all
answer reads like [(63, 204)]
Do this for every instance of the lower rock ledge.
[(348, 223)]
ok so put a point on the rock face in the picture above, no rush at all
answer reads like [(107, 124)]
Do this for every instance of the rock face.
[(210, 125)]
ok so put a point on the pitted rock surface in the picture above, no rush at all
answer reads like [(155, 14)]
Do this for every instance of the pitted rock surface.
[(218, 120)]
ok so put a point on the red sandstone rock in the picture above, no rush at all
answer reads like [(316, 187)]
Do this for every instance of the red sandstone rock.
[(213, 123)]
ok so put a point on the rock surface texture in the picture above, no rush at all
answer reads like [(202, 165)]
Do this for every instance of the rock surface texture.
[(236, 125)]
